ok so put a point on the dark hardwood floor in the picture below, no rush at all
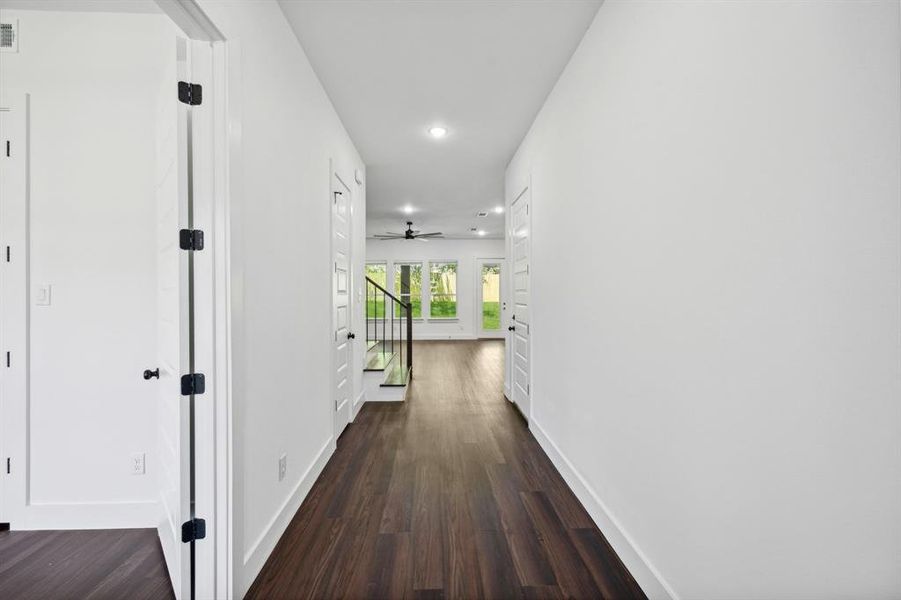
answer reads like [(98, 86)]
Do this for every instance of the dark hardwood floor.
[(445, 496), (105, 564)]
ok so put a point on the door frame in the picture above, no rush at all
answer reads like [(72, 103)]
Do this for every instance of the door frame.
[(336, 179), (216, 141), (479, 263), (217, 151), (14, 312)]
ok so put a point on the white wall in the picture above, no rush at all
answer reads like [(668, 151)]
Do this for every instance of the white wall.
[(281, 272), (93, 80), (716, 271), (465, 252)]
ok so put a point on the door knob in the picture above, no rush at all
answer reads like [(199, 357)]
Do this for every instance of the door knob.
[(351, 336), (511, 328), (148, 374)]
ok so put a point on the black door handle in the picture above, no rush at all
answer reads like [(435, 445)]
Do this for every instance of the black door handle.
[(148, 374), (351, 336), (511, 328)]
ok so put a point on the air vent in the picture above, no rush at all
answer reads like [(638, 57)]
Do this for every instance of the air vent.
[(482, 213), (9, 37)]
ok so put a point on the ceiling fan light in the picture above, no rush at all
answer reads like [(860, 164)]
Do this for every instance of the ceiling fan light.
[(437, 131)]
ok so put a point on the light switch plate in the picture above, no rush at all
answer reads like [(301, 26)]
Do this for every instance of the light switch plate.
[(42, 294)]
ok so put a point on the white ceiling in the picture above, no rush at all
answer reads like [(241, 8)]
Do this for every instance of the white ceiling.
[(481, 68)]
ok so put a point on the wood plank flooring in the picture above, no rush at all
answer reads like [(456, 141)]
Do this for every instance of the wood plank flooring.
[(88, 565), (445, 496)]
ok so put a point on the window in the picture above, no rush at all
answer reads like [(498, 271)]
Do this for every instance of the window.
[(375, 302), (408, 286), (443, 290)]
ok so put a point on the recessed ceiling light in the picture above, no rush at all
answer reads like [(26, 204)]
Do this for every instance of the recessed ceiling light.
[(481, 232), (437, 131), (498, 209), (408, 209)]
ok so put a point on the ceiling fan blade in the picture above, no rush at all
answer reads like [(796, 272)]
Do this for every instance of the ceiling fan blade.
[(433, 234), (419, 238), (388, 237)]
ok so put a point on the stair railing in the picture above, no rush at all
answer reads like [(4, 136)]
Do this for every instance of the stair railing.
[(383, 330)]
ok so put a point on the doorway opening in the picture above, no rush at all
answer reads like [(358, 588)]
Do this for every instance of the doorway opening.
[(489, 297), (108, 417)]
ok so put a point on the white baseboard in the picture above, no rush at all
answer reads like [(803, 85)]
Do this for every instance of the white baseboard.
[(358, 404), (88, 515), (256, 556), (436, 337), (650, 580)]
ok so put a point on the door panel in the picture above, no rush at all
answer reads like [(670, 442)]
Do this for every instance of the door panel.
[(341, 299), (173, 322), (521, 334)]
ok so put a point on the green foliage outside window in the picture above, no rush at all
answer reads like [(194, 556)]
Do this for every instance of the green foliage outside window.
[(443, 290), (408, 287), (375, 304)]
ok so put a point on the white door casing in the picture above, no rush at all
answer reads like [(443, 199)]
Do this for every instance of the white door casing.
[(342, 296), (14, 302), (521, 321)]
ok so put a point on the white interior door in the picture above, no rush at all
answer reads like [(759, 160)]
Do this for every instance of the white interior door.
[(520, 338), (174, 321), (341, 304)]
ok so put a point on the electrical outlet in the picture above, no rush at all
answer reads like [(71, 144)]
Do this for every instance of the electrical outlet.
[(282, 466), (137, 463)]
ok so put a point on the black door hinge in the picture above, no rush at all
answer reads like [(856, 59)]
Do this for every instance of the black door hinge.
[(7, 149), (8, 471), (190, 239), (190, 93), (195, 529), (194, 383)]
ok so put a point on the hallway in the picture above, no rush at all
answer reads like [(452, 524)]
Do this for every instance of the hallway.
[(447, 495)]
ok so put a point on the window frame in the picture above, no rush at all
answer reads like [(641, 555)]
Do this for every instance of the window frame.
[(456, 314), (399, 294), (366, 266)]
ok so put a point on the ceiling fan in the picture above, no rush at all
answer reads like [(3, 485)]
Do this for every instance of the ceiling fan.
[(409, 234)]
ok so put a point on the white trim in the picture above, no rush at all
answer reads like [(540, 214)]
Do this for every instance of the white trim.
[(191, 19), (15, 316), (648, 577), (256, 556), (221, 245), (359, 402)]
